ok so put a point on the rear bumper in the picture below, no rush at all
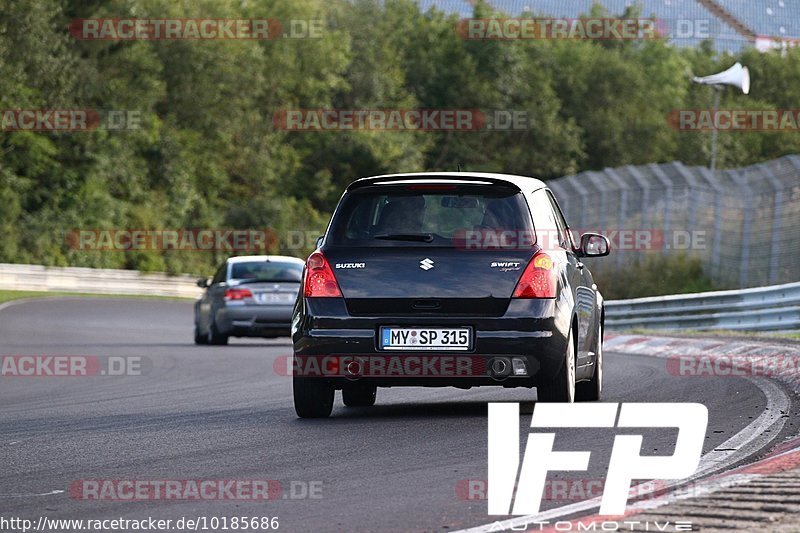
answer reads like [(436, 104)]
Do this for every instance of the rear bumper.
[(326, 337), (254, 320)]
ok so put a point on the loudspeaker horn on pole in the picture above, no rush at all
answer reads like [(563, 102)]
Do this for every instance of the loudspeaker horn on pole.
[(737, 75)]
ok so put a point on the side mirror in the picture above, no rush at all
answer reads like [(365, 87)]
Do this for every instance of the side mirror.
[(203, 282), (319, 240), (594, 245)]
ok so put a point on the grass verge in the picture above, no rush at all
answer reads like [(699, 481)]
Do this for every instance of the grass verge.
[(7, 296)]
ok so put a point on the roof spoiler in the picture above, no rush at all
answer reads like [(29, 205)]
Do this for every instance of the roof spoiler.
[(465, 179)]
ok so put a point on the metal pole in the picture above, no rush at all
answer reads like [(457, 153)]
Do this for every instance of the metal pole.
[(714, 132)]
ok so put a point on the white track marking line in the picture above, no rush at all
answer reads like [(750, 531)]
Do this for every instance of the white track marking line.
[(26, 300), (30, 495), (14, 302), (741, 444), (20, 301)]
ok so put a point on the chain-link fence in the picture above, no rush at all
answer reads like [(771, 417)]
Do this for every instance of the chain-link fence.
[(743, 223)]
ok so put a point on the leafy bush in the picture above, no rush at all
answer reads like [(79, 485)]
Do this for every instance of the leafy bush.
[(656, 275)]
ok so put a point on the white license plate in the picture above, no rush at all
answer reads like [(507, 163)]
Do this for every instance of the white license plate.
[(275, 298), (449, 339)]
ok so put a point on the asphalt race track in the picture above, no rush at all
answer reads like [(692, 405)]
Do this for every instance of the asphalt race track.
[(205, 412)]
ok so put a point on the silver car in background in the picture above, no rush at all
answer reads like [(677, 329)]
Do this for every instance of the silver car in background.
[(249, 296)]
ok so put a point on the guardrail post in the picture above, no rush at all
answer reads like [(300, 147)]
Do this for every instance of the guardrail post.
[(645, 187), (719, 192), (667, 184), (623, 205), (747, 223), (777, 214)]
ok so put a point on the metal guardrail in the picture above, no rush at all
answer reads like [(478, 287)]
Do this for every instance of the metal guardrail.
[(95, 281), (758, 309)]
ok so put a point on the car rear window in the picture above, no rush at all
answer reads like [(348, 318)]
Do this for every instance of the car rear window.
[(266, 271), (403, 216)]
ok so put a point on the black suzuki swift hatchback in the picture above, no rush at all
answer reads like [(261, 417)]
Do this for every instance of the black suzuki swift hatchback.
[(447, 279)]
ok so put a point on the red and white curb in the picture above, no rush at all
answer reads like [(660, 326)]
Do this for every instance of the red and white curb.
[(715, 357)]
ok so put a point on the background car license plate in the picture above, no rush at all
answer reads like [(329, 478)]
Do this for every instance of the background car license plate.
[(275, 298), (393, 338)]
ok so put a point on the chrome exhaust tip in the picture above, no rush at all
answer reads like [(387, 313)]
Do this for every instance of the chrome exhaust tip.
[(353, 368), (500, 367)]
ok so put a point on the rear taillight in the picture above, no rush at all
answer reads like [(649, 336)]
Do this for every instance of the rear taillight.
[(539, 280), (319, 280), (238, 294)]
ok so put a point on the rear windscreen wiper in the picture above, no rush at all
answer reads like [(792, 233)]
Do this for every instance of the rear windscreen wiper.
[(416, 237)]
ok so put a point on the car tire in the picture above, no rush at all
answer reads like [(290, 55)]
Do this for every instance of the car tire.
[(592, 390), (215, 338), (313, 397), (561, 388), (198, 337), (362, 396)]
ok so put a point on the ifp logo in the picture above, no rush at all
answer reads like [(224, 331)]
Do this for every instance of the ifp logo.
[(626, 463)]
